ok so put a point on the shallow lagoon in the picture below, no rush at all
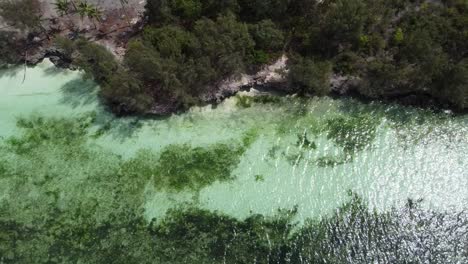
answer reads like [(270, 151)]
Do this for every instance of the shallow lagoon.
[(286, 153), (415, 154)]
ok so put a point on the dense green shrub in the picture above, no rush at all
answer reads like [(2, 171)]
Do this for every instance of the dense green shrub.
[(22, 14), (66, 45), (96, 61), (394, 48), (383, 78), (177, 64), (452, 86), (10, 53), (309, 76), (125, 93), (267, 36), (170, 41)]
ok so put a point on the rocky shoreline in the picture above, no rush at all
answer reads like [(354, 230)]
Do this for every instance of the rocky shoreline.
[(54, 54), (119, 24), (270, 79), (273, 79)]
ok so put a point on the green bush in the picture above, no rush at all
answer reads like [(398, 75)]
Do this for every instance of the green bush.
[(96, 61), (309, 76), (22, 14), (267, 36), (189, 46), (12, 48)]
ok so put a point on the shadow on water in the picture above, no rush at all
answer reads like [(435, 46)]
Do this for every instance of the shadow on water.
[(79, 92), (54, 71), (122, 128), (118, 129), (397, 114), (11, 71)]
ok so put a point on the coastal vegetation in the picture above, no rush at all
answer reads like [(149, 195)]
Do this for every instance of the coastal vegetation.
[(17, 16), (24, 15), (214, 185), (10, 53), (187, 48)]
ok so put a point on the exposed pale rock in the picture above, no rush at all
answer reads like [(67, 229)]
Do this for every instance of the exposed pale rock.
[(343, 84), (270, 75)]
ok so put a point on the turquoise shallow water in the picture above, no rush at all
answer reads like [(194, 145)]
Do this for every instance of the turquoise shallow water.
[(253, 180), (414, 154)]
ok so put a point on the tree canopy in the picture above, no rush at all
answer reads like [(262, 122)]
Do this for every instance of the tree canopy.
[(393, 47), (187, 47), (22, 14)]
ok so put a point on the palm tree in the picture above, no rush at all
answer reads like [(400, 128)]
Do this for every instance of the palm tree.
[(62, 7), (74, 5), (94, 13), (123, 3), (90, 11), (82, 9)]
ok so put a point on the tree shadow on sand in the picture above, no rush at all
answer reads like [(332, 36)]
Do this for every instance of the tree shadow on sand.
[(79, 92), (54, 71), (121, 128), (118, 129), (82, 92), (11, 72)]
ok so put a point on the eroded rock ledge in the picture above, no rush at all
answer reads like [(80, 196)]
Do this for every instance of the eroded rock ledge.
[(272, 76)]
